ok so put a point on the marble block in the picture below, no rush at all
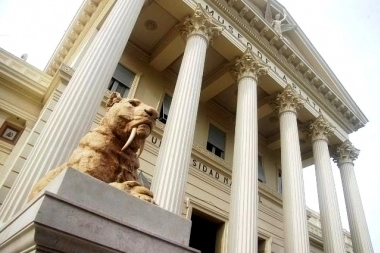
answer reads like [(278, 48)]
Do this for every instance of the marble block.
[(78, 213)]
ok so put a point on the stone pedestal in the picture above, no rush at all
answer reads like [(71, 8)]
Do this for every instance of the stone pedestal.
[(78, 213)]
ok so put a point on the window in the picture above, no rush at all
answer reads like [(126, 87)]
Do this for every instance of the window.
[(261, 169), (216, 141), (121, 80), (165, 109), (279, 181)]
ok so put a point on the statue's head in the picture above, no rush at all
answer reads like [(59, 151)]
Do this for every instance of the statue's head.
[(277, 16), (130, 120)]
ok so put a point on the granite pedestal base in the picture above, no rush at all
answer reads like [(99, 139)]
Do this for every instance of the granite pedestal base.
[(78, 213)]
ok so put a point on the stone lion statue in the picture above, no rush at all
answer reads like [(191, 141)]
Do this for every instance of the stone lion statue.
[(110, 152)]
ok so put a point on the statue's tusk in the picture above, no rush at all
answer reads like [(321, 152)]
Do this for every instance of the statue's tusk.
[(131, 137), (142, 144)]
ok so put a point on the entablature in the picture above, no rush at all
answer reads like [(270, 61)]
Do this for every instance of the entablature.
[(254, 27), (87, 16), (22, 78)]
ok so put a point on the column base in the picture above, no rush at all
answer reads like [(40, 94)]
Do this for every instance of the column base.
[(78, 213)]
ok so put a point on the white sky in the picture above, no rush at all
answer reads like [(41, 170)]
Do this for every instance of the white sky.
[(345, 32)]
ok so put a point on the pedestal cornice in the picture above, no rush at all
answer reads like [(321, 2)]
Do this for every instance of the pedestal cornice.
[(248, 65), (289, 101), (346, 153), (202, 24), (321, 129)]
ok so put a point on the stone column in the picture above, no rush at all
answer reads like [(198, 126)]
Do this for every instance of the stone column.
[(74, 113), (332, 230), (242, 231), (296, 234), (170, 175), (361, 241)]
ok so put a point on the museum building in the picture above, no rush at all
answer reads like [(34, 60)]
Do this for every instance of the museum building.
[(245, 102)]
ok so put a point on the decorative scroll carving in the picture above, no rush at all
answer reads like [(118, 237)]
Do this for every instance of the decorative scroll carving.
[(291, 58), (345, 153), (248, 65), (283, 49), (289, 100), (273, 40), (314, 81), (254, 21), (300, 66), (321, 129), (307, 74), (201, 23), (110, 152)]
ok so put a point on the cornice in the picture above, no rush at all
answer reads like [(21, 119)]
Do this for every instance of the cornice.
[(303, 75), (84, 19), (22, 78), (4, 105)]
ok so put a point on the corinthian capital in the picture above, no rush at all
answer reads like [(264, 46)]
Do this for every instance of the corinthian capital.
[(321, 129), (201, 23), (346, 153), (248, 65), (289, 100)]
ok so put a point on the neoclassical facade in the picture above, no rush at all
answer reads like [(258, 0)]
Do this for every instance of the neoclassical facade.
[(243, 108)]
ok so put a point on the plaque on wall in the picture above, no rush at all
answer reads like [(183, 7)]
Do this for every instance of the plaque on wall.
[(10, 133)]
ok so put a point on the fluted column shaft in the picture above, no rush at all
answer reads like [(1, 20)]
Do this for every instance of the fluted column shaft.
[(242, 230), (361, 240), (172, 164), (296, 235), (332, 230), (75, 111)]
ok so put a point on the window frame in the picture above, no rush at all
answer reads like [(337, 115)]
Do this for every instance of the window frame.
[(133, 85), (221, 129), (159, 109), (263, 168)]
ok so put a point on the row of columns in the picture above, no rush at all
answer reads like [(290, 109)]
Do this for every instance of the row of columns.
[(63, 132)]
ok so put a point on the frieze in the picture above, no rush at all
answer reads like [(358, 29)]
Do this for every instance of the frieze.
[(248, 44), (215, 173), (257, 52), (195, 163)]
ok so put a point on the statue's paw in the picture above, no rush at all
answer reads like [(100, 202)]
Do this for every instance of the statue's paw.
[(136, 190)]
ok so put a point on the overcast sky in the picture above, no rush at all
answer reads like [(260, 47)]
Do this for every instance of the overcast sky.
[(345, 32)]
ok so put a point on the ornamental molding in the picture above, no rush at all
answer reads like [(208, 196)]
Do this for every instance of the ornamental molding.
[(85, 18), (321, 129), (249, 65), (252, 28), (345, 153), (289, 101), (202, 24)]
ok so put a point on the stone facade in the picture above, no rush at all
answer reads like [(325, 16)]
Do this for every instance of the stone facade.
[(213, 81)]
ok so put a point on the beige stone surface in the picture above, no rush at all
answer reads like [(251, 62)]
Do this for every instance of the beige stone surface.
[(110, 152)]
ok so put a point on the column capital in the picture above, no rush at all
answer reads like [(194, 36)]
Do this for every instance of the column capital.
[(248, 65), (289, 100), (201, 23), (345, 153), (321, 129)]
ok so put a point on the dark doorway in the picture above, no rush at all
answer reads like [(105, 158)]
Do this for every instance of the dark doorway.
[(204, 232)]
